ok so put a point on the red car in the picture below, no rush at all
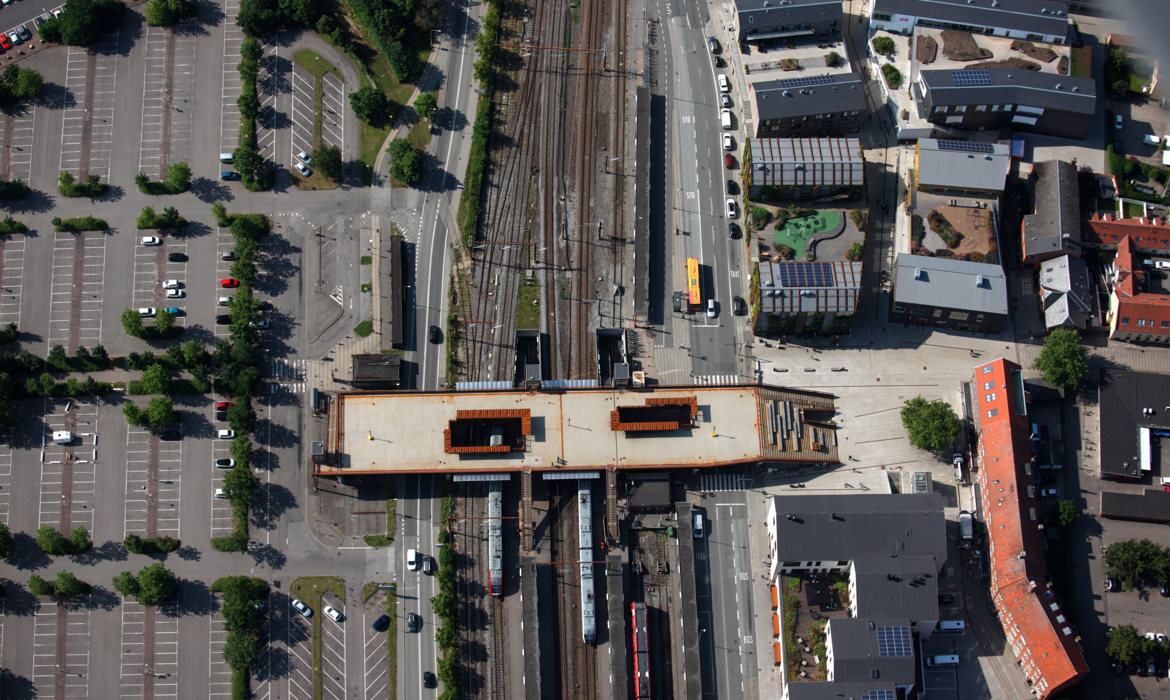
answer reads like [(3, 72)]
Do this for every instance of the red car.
[(229, 282), (223, 405), (729, 161), (5, 44)]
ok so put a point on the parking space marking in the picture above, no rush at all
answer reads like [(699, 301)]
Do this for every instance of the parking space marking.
[(91, 284), (166, 652), (222, 517), (74, 673), (133, 650), (154, 84), (147, 288), (76, 71), (80, 498), (375, 660), (44, 671), (223, 269), (100, 117), (267, 84), (333, 676), (219, 674), (21, 140), (167, 492), (229, 115), (301, 132), (300, 656), (164, 100), (11, 280), (5, 476), (333, 104)]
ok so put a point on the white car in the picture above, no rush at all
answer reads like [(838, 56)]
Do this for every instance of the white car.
[(14, 38), (710, 308), (225, 463), (305, 157), (728, 143), (147, 311), (150, 240), (175, 294), (171, 284), (219, 493), (724, 100), (1118, 121), (225, 434), (303, 169), (333, 614), (58, 12), (303, 609), (730, 208)]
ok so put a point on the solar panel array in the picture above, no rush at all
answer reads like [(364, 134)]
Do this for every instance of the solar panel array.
[(806, 274), (807, 82), (894, 641), (965, 146), (971, 77), (879, 695)]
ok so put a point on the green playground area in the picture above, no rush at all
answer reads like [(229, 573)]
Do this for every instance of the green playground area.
[(796, 232)]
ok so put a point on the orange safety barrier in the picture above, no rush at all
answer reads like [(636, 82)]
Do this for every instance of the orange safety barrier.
[(775, 625), (779, 653), (775, 597)]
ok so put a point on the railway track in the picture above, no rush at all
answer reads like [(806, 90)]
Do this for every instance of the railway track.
[(499, 647), (576, 661)]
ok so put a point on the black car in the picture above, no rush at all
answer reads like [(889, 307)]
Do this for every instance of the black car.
[(1166, 590), (264, 305), (429, 680), (733, 229), (732, 188), (946, 598), (436, 335), (223, 319), (170, 435), (738, 306), (382, 623), (176, 257), (413, 622)]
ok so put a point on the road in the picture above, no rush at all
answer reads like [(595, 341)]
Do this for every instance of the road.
[(418, 501)]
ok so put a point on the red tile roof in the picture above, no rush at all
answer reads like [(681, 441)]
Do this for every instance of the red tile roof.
[(1036, 629), (1151, 234), (1134, 312)]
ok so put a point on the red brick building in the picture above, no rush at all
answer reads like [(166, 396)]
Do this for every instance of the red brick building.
[(1139, 307), (1037, 630), (1148, 235)]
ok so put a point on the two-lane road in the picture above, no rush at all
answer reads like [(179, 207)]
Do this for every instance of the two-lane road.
[(418, 511)]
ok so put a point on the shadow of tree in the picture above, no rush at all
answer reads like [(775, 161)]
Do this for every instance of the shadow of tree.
[(17, 687), (26, 555)]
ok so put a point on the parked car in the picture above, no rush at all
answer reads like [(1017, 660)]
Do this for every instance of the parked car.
[(261, 323), (711, 312), (945, 599), (225, 463), (333, 614), (176, 257), (1049, 492), (5, 44), (229, 175), (730, 208), (23, 32), (229, 282), (147, 311), (150, 240), (728, 142), (724, 100), (732, 188), (170, 435), (1118, 121), (429, 680), (223, 319), (175, 294), (305, 157), (220, 493), (738, 306), (1111, 585), (303, 169), (381, 624), (223, 405), (728, 161), (225, 434), (174, 310), (228, 256), (14, 37), (303, 609), (171, 284)]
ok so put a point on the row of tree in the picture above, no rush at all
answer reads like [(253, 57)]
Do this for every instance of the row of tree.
[(1138, 562)]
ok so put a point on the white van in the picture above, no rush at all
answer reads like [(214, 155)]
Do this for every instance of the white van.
[(697, 520), (412, 559), (226, 158), (725, 118), (943, 660), (62, 437), (724, 83), (225, 301), (957, 626)]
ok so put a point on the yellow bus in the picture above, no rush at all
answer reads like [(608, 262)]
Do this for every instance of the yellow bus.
[(694, 297)]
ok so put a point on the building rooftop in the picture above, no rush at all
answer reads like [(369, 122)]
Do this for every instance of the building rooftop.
[(849, 527), (1152, 506), (824, 162), (902, 587), (566, 429), (1141, 305), (962, 165), (1066, 292), (1036, 628), (1047, 17), (794, 286), (1147, 233), (1123, 396), (950, 284), (1054, 226), (869, 649), (823, 690), (796, 97), (1009, 86)]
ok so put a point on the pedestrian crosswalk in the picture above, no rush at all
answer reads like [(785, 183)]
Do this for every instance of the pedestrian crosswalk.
[(709, 379), (722, 482), (289, 374)]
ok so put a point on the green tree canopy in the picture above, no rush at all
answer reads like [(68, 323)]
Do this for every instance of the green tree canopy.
[(1066, 514), (82, 22), (168, 13), (239, 484), (426, 104), (67, 585), (50, 541), (6, 541), (132, 323), (161, 411), (126, 584), (932, 425), (1126, 644), (328, 161), (157, 584), (1063, 360), (179, 176), (370, 105), (406, 162), (156, 380), (1135, 562)]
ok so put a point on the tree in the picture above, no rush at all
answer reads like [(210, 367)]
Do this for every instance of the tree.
[(132, 323), (133, 414), (406, 162), (370, 105), (156, 380), (67, 585), (251, 50), (167, 13), (249, 105), (241, 649), (1125, 644), (57, 356), (82, 22), (241, 417), (179, 176), (247, 160), (50, 541), (833, 59), (1063, 360), (126, 585), (99, 355), (239, 484), (161, 411), (194, 355), (241, 450), (39, 586), (932, 425), (1066, 514), (426, 104), (1137, 561), (79, 540), (6, 541), (328, 161), (157, 584)]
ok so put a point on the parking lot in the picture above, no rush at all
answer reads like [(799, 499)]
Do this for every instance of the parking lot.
[(168, 91), (163, 664), (333, 668), (11, 279), (78, 282), (376, 652), (88, 127), (5, 475), (68, 474), (153, 484), (300, 655), (151, 267), (61, 644), (302, 115), (221, 508), (18, 127)]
